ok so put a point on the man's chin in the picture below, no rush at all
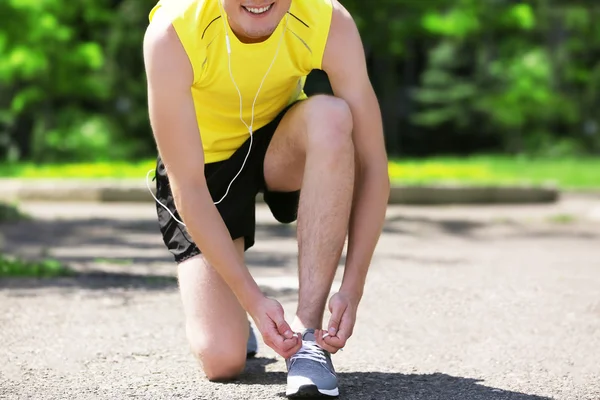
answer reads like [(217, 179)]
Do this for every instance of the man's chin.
[(259, 34)]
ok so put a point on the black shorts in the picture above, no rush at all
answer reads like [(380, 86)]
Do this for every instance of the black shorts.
[(238, 209)]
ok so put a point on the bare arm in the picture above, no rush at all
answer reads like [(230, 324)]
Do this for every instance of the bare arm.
[(173, 119), (345, 64)]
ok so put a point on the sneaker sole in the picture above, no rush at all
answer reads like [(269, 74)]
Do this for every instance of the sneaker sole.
[(310, 391)]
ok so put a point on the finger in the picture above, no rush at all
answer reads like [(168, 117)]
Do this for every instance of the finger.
[(288, 347), (319, 333), (282, 346), (290, 352), (273, 338), (339, 341), (319, 336), (289, 344), (337, 313), (345, 329), (324, 344), (330, 349), (282, 327)]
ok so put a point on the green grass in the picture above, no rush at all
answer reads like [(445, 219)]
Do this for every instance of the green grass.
[(562, 219), (570, 173), (10, 213), (17, 268), (113, 261), (133, 170)]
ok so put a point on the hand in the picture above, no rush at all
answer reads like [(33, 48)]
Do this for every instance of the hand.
[(276, 333), (343, 309)]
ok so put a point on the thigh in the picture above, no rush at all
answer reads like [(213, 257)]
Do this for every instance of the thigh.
[(309, 124), (283, 166), (214, 317)]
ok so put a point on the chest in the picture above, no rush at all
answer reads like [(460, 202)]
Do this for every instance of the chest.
[(271, 71)]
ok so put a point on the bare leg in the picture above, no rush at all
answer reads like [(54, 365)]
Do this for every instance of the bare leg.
[(216, 324), (312, 149)]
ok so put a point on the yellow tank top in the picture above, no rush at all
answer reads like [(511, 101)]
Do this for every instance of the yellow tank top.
[(199, 25)]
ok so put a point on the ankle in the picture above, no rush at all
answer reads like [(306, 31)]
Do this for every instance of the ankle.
[(301, 323)]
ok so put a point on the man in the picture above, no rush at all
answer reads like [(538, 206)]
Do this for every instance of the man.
[(230, 119)]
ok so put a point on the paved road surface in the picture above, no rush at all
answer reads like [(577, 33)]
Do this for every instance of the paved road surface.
[(467, 303)]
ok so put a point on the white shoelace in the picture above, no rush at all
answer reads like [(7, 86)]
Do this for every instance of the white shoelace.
[(311, 351)]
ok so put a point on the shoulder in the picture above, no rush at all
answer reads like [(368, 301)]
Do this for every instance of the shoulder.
[(186, 17), (168, 18), (172, 35), (160, 35), (178, 9), (164, 53), (344, 42), (342, 22)]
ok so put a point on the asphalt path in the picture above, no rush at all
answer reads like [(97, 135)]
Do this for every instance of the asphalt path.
[(470, 303)]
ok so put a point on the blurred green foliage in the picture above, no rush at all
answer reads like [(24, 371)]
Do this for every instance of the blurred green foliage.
[(71, 82), (463, 76), (453, 77)]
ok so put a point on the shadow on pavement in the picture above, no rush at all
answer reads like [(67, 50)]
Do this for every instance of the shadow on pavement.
[(123, 242), (94, 281), (275, 231), (141, 235), (469, 229), (392, 386), (139, 241), (458, 227), (105, 282)]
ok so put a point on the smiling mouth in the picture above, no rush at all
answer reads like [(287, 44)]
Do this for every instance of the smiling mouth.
[(258, 10)]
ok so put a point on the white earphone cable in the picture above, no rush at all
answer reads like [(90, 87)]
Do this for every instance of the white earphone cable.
[(249, 127)]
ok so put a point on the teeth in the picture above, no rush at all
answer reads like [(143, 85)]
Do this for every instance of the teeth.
[(258, 10)]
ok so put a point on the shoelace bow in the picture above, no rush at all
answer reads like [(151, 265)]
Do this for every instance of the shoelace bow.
[(311, 351)]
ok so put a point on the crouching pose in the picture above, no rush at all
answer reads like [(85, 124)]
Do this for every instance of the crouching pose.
[(231, 120)]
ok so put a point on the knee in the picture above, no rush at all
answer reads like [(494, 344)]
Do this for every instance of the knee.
[(330, 122), (220, 362)]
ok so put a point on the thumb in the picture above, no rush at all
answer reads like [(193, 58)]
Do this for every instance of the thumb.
[(336, 318), (282, 327)]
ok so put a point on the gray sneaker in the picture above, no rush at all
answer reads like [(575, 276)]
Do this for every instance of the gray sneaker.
[(310, 371), (252, 346)]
